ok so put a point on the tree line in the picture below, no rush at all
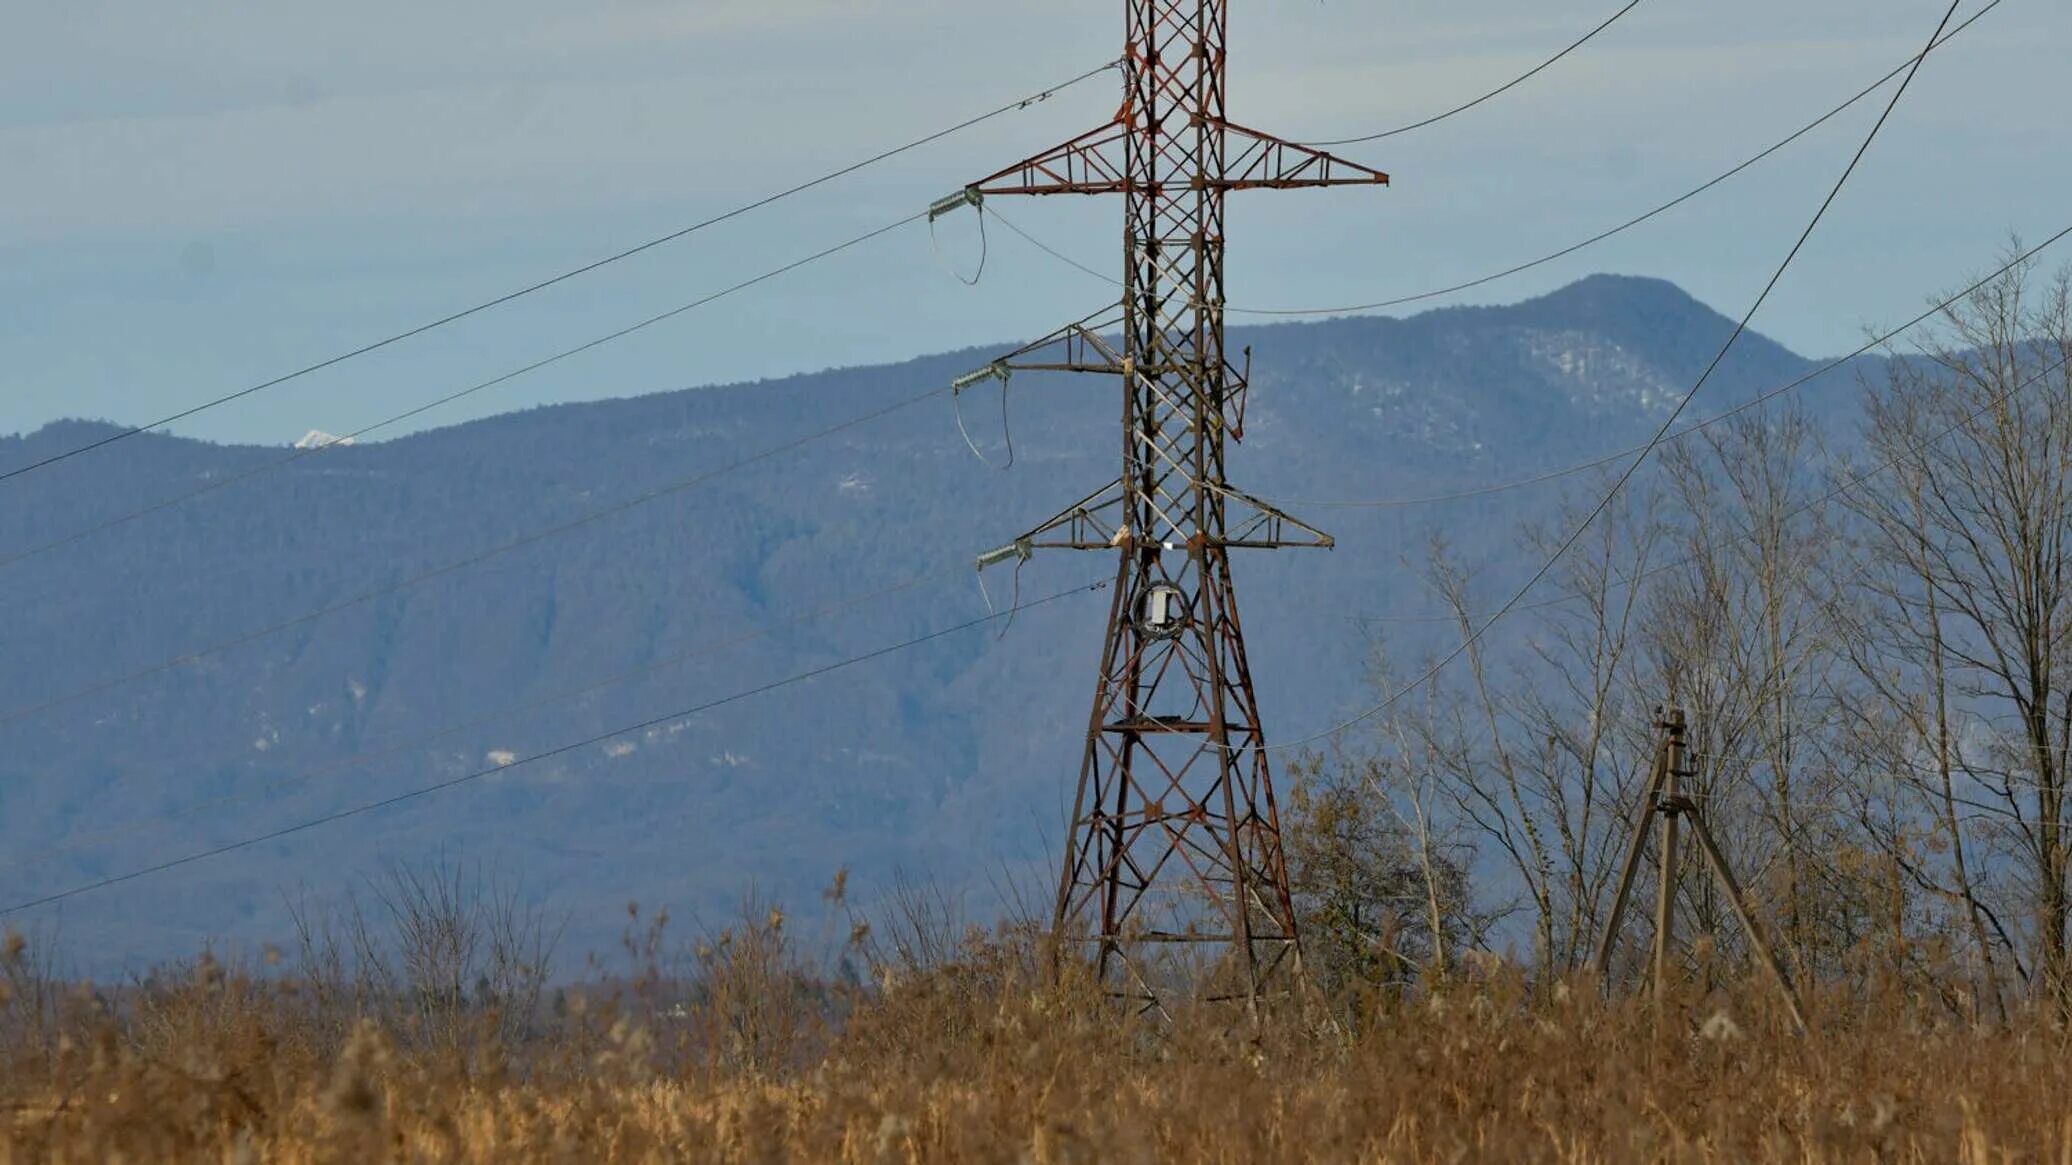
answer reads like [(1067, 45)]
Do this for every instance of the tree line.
[(1872, 640)]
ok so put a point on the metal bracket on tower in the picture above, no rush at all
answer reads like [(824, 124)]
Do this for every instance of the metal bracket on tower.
[(1079, 346), (1261, 526)]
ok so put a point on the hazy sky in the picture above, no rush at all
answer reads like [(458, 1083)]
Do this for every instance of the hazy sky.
[(199, 196)]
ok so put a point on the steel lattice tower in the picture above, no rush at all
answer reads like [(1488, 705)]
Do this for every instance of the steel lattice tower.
[(1174, 870)]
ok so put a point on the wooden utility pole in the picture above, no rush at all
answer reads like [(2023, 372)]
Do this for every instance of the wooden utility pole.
[(1663, 795), (1672, 754)]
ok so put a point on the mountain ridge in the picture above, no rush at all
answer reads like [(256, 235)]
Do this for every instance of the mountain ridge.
[(945, 760), (1631, 308)]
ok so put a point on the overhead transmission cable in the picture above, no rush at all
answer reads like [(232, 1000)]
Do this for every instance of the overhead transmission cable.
[(1565, 252), (372, 593), (1551, 475), (1668, 423), (1694, 427), (77, 841), (1095, 586), (224, 801), (1499, 91), (1903, 67), (1964, 760), (1847, 486), (563, 277), (474, 559), (534, 758), (418, 410)]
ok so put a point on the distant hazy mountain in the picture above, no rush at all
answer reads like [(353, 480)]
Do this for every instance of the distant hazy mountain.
[(953, 760)]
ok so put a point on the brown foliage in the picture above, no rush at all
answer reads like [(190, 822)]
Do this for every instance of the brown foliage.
[(978, 1058)]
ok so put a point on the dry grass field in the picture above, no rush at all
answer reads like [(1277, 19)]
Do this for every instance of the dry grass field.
[(974, 1061)]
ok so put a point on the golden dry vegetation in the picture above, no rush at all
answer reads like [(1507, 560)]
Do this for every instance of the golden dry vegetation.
[(974, 1060)]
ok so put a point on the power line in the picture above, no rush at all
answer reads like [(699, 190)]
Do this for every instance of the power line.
[(471, 390), (1964, 761), (1053, 252), (1565, 252), (75, 841), (1663, 431), (471, 560), (1757, 402), (563, 277), (1847, 486), (1615, 457), (78, 840), (1904, 67), (1499, 91), (548, 754)]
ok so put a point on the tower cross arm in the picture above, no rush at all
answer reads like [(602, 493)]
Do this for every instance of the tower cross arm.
[(1092, 163), (1260, 161), (1095, 163), (1076, 347)]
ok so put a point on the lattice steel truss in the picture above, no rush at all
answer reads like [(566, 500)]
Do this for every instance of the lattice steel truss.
[(1174, 874)]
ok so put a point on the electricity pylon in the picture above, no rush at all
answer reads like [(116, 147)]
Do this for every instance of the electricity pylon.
[(1174, 876)]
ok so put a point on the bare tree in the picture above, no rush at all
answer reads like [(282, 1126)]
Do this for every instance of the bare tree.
[(1540, 759), (1970, 527), (1899, 715), (1742, 634), (32, 991), (441, 947)]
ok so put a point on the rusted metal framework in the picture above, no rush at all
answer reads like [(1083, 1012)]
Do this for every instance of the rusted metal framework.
[(1174, 875)]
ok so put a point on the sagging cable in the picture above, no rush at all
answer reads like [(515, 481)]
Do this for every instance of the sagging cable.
[(997, 370)]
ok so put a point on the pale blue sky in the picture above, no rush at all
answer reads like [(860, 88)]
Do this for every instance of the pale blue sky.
[(201, 196)]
